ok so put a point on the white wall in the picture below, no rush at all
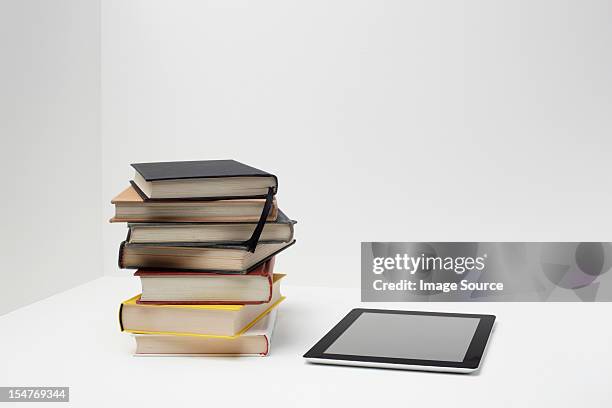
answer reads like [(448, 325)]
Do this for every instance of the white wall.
[(50, 158), (384, 120)]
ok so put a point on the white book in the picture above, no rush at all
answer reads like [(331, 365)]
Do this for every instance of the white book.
[(255, 341)]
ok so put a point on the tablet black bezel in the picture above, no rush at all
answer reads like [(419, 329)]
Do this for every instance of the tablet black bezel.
[(472, 356)]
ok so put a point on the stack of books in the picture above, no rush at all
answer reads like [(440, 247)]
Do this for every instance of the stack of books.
[(203, 236)]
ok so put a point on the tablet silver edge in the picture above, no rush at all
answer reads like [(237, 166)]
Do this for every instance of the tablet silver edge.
[(390, 365), (439, 369)]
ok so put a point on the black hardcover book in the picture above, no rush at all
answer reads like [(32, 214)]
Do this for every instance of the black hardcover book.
[(204, 179)]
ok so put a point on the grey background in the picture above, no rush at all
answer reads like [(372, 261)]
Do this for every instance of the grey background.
[(384, 120), (414, 337), (529, 271), (50, 158)]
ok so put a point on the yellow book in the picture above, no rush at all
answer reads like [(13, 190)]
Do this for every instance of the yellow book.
[(226, 321)]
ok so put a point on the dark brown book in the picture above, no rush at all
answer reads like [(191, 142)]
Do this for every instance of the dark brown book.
[(228, 258)]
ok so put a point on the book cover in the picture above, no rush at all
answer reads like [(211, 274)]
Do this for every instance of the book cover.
[(210, 285), (150, 174), (197, 169), (215, 308)]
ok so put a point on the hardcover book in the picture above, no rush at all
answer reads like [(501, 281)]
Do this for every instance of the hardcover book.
[(280, 230), (180, 287), (206, 179), (234, 258), (256, 341), (214, 320), (130, 207)]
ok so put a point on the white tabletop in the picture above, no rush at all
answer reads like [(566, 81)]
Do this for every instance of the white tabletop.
[(541, 354)]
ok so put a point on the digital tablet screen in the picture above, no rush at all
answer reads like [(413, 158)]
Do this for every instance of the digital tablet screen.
[(407, 336)]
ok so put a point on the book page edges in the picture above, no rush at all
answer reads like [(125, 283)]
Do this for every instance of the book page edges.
[(231, 308), (240, 333)]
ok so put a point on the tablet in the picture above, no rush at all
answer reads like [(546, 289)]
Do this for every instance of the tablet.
[(406, 340)]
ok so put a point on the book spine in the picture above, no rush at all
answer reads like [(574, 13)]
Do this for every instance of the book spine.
[(275, 188), (269, 268), (270, 285), (291, 232), (265, 353), (120, 258), (121, 317)]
